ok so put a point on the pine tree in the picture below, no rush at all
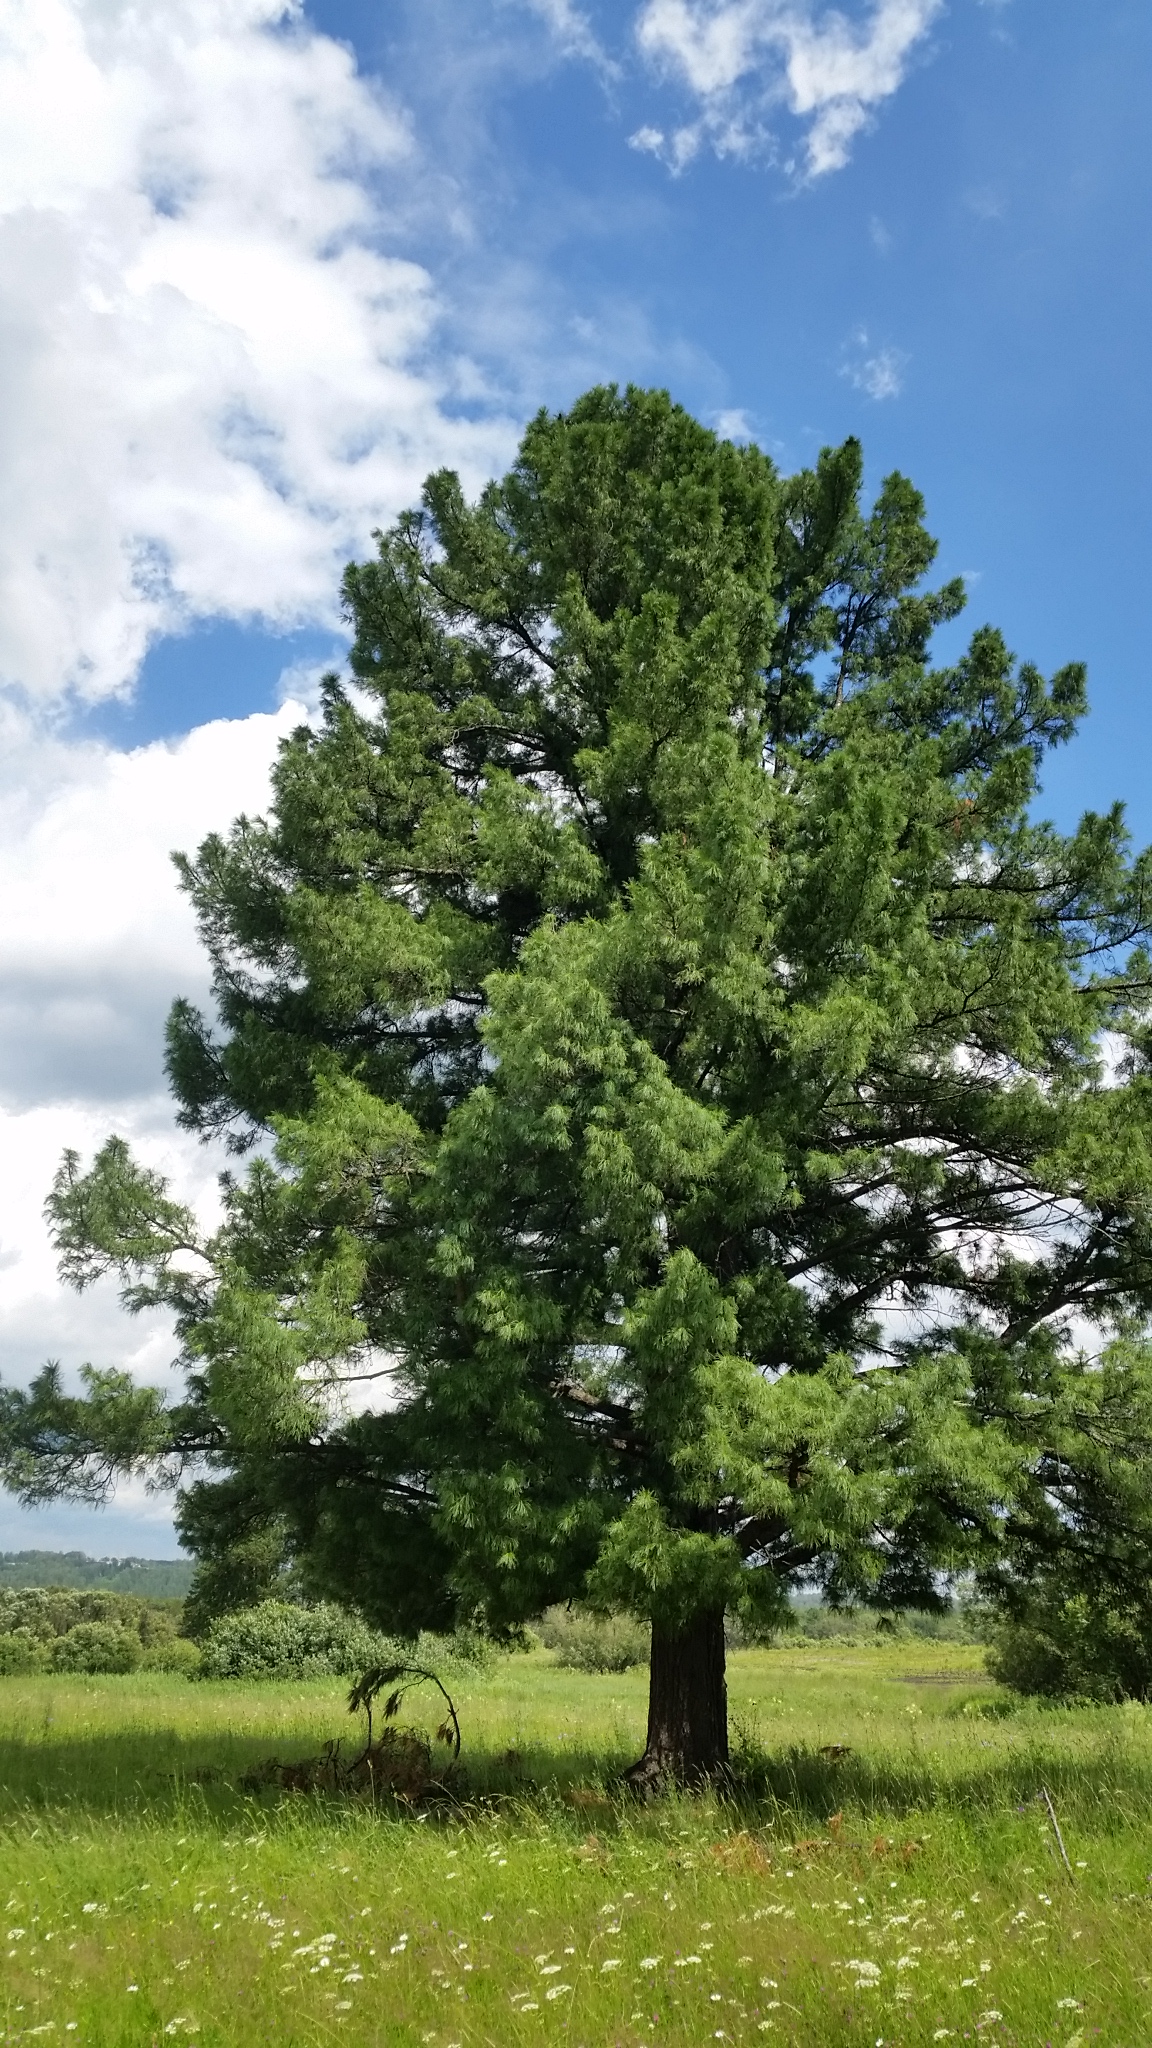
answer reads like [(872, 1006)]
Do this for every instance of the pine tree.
[(707, 1111)]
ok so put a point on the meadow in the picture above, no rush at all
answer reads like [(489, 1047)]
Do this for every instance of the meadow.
[(883, 1871)]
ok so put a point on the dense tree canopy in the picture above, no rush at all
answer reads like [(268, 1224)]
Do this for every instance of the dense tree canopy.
[(695, 1106)]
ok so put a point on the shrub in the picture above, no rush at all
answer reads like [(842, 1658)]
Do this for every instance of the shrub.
[(276, 1640), (1072, 1649), (173, 1653), (96, 1646), (589, 1642), (51, 1611), (21, 1652)]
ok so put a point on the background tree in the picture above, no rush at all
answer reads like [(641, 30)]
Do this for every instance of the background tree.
[(683, 1060)]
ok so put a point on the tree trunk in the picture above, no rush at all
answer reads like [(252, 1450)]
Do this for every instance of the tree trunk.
[(687, 1705)]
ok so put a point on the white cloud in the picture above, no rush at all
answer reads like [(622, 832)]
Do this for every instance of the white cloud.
[(216, 379), (740, 58), (733, 423), (95, 943), (96, 939), (572, 33), (879, 373)]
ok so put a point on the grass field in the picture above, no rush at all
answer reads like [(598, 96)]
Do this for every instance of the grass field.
[(908, 1889)]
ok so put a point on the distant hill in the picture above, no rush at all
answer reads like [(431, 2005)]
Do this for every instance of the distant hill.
[(157, 1578)]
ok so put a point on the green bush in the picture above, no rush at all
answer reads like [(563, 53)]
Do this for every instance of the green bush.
[(276, 1640), (21, 1652), (590, 1642), (1073, 1649), (50, 1611), (174, 1653), (864, 1625), (67, 1628), (96, 1646)]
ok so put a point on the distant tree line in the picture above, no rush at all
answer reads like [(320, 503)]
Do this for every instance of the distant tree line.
[(151, 1578)]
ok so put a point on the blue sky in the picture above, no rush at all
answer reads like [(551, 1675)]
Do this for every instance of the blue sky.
[(335, 252), (987, 245)]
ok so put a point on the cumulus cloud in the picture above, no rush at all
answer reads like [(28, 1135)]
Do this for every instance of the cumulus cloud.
[(95, 943), (741, 59), (96, 939), (216, 377)]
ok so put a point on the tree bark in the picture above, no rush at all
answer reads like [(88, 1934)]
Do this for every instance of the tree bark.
[(687, 1705)]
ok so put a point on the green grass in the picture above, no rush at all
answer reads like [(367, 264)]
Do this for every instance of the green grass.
[(907, 1891)]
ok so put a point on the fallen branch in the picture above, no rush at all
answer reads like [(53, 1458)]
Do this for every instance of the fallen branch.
[(367, 1688), (1047, 1798)]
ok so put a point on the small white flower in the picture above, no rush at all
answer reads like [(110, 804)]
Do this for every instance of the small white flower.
[(650, 1962), (1069, 2005), (991, 2014), (967, 1983), (556, 1990), (91, 1907), (551, 1969), (610, 1963)]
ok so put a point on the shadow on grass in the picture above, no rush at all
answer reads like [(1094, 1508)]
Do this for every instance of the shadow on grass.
[(160, 1772)]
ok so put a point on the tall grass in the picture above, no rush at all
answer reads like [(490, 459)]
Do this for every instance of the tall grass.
[(881, 1870)]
